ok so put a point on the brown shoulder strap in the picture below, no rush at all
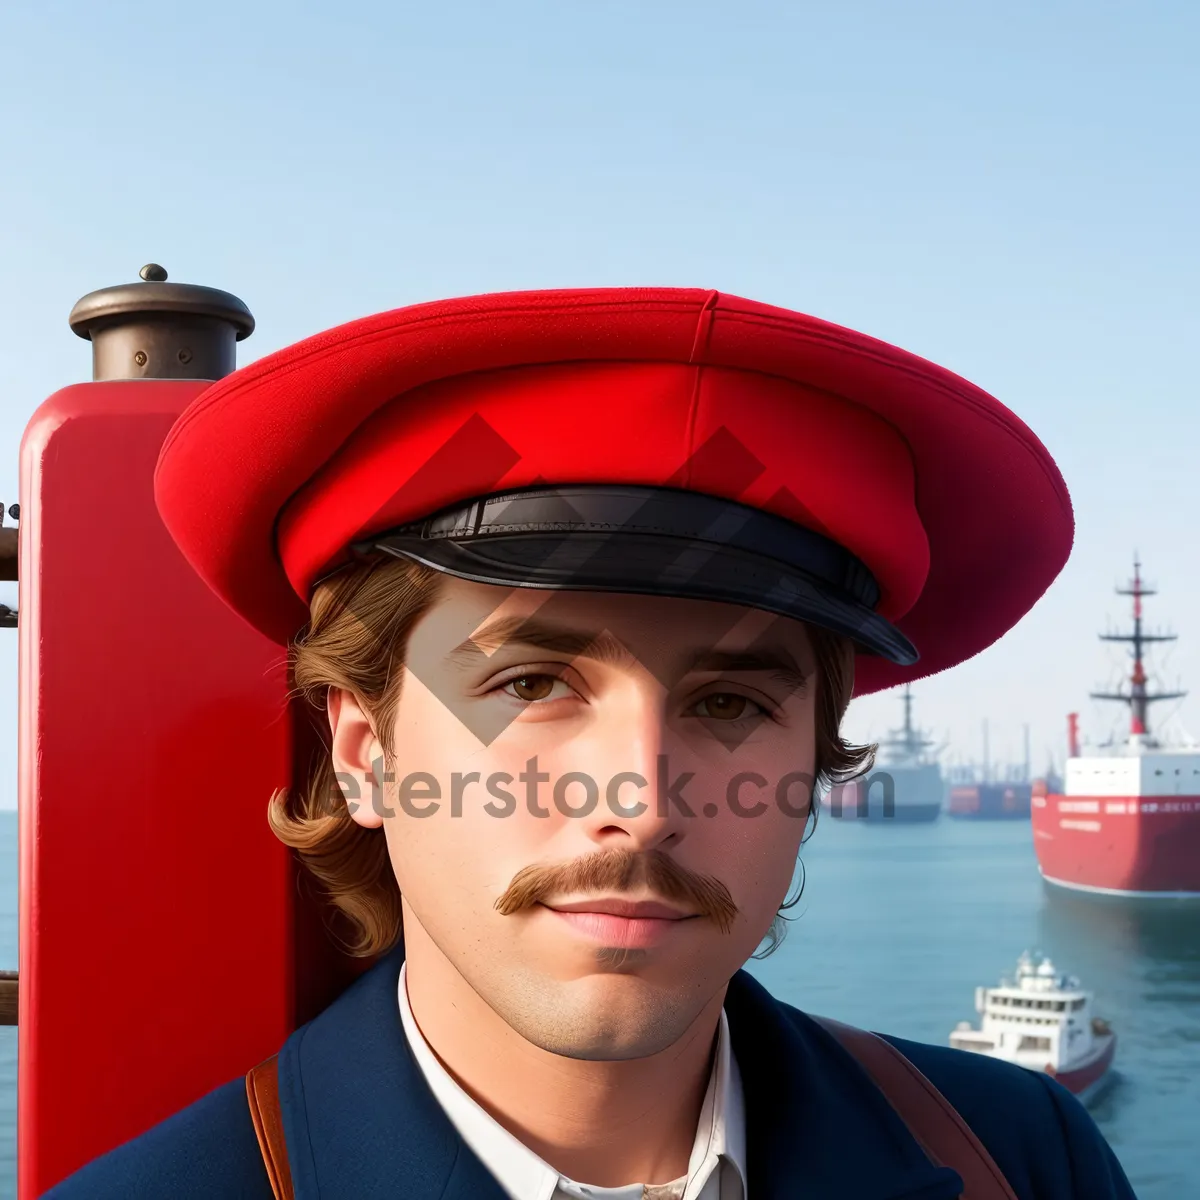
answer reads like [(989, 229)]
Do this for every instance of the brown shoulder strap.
[(931, 1118), (262, 1093)]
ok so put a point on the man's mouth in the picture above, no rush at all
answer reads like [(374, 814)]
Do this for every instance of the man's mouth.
[(619, 923)]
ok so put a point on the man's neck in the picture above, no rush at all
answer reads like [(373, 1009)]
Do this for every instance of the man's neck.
[(606, 1123)]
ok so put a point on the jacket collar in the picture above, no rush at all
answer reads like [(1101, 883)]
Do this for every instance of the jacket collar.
[(361, 1121)]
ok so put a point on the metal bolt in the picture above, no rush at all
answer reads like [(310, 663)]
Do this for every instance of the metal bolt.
[(185, 356), (153, 273), (14, 511), (140, 358)]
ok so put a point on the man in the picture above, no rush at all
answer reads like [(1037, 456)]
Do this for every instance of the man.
[(581, 584)]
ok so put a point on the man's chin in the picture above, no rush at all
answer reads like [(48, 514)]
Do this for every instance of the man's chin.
[(615, 1037), (608, 1016)]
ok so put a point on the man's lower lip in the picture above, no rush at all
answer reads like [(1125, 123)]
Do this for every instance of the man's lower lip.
[(626, 933)]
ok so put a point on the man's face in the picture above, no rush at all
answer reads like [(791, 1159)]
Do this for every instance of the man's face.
[(598, 898)]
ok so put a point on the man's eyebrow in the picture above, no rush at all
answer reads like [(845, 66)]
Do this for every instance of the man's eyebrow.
[(542, 635), (604, 647), (776, 660)]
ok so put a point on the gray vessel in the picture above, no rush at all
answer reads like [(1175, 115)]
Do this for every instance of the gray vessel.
[(905, 783)]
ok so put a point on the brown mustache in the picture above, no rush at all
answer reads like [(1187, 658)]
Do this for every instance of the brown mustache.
[(618, 871)]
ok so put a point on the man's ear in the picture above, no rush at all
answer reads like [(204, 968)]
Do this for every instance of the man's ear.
[(357, 757)]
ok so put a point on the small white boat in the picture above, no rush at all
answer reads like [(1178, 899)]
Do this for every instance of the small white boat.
[(1042, 1020)]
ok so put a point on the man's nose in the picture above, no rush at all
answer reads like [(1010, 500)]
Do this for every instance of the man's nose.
[(639, 806)]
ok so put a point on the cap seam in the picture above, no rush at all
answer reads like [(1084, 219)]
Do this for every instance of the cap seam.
[(929, 376)]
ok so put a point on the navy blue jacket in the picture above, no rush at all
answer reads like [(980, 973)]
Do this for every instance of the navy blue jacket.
[(362, 1124)]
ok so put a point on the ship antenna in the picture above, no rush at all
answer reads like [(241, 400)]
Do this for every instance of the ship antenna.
[(1138, 698)]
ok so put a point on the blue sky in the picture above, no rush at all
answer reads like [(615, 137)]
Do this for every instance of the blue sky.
[(1008, 189)]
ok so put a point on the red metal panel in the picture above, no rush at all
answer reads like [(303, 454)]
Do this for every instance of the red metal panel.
[(157, 911)]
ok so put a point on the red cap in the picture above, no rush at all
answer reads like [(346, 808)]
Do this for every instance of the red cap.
[(954, 507)]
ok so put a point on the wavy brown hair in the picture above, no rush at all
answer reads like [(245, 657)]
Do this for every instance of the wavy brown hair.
[(360, 622)]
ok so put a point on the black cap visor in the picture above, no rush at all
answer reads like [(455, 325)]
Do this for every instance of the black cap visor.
[(653, 541)]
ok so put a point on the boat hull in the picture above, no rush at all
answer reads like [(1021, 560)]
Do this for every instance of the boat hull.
[(1085, 1079), (902, 812), (890, 794), (1145, 846)]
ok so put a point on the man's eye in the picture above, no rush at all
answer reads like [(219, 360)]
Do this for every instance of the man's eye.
[(531, 687), (727, 706)]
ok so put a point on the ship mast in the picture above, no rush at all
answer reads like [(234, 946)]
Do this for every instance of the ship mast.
[(1137, 697), (907, 742)]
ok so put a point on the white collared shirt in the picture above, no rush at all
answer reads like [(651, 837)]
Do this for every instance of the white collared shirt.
[(716, 1170)]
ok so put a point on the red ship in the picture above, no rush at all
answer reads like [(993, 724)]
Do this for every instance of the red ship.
[(1126, 823)]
